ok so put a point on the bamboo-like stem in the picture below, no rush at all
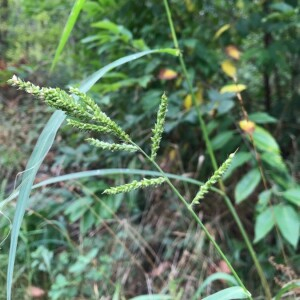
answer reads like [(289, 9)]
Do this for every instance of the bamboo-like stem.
[(214, 162)]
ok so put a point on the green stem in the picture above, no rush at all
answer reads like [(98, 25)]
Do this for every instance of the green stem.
[(190, 87), (214, 162), (196, 218)]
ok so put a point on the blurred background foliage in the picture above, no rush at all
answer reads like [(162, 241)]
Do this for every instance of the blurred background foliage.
[(77, 244)]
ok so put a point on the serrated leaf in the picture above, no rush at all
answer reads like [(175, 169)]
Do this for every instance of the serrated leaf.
[(233, 88), (235, 292), (247, 185), (221, 30), (292, 195), (288, 222), (229, 68), (264, 224)]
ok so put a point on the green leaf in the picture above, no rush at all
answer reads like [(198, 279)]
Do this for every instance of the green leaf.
[(264, 224), (288, 222), (263, 200), (274, 160), (287, 288), (239, 159), (77, 208), (235, 292), (41, 149), (67, 30), (152, 297), (264, 141), (262, 118), (247, 185), (221, 139), (216, 276), (292, 195)]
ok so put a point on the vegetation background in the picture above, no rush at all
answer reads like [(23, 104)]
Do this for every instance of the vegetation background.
[(242, 58)]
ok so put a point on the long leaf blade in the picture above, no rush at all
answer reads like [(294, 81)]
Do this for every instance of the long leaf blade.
[(42, 147), (67, 30)]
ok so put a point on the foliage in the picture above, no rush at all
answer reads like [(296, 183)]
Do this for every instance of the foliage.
[(241, 59)]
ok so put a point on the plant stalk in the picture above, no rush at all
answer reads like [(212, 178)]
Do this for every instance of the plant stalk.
[(197, 219), (214, 162)]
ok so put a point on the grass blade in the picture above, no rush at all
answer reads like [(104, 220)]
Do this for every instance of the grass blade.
[(67, 30), (42, 147)]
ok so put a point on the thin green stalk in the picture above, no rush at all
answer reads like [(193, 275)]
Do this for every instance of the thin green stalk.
[(199, 115), (214, 162), (249, 246), (196, 218)]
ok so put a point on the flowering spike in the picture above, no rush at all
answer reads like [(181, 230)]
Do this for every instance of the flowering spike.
[(134, 185), (112, 147), (216, 176), (84, 110), (159, 126)]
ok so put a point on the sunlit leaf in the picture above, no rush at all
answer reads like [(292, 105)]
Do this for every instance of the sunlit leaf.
[(229, 68), (221, 31), (187, 103), (233, 88), (247, 126), (167, 74), (233, 52)]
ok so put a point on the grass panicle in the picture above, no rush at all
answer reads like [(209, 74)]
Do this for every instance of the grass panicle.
[(134, 185), (212, 180), (159, 126), (84, 110), (112, 146)]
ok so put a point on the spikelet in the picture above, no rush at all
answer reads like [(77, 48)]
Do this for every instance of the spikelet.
[(112, 147), (84, 110), (134, 185), (159, 126), (216, 176)]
